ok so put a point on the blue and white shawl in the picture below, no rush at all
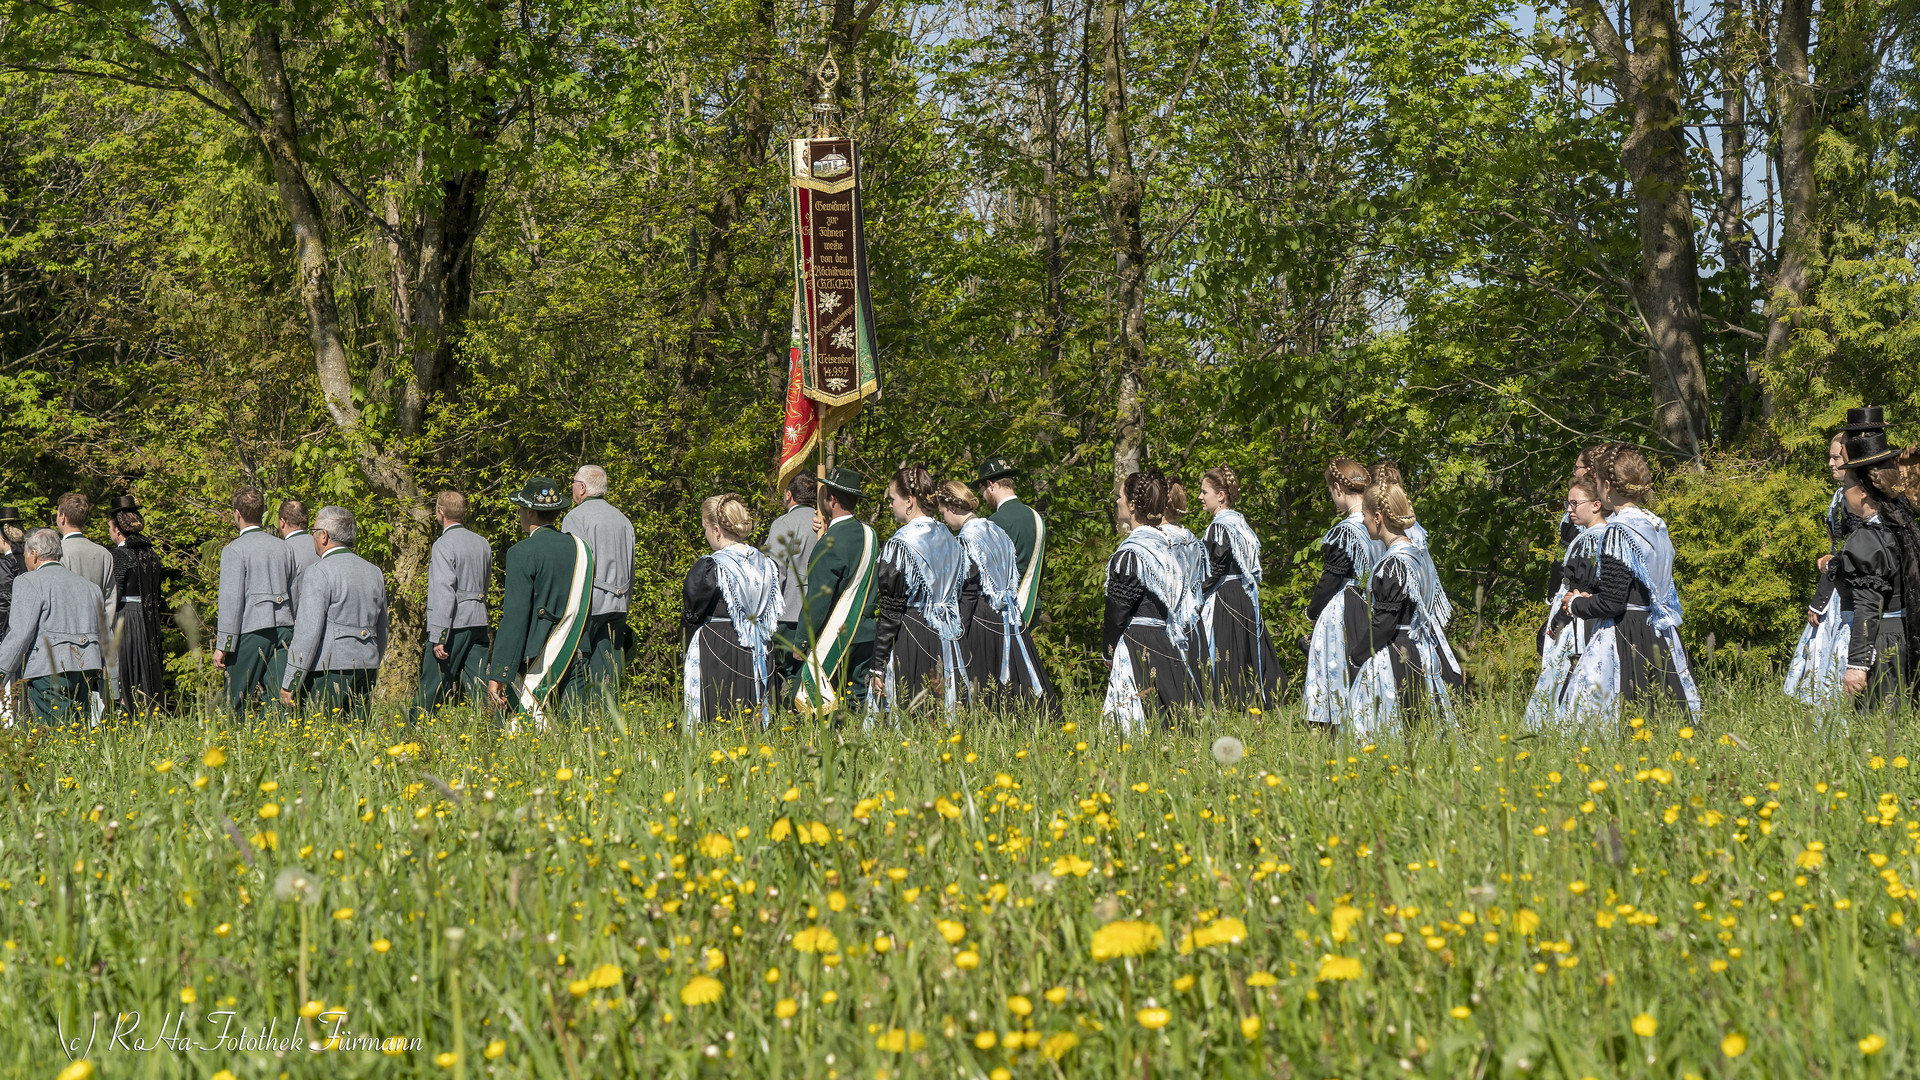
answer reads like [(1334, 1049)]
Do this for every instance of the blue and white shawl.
[(1374, 700), (750, 584), (1194, 569), (934, 565), (990, 550), (1158, 566), (1245, 545), (1549, 703), (1327, 688), (1639, 540), (1820, 658)]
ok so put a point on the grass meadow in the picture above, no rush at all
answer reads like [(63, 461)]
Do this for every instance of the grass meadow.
[(1008, 898)]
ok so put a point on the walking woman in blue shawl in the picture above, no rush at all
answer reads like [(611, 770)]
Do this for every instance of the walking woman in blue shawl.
[(1347, 556), (1141, 637), (729, 607), (916, 647), (1240, 658), (1399, 656), (996, 647), (1194, 569), (1577, 571), (1634, 652)]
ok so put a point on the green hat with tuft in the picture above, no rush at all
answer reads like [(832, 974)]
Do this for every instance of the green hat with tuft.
[(540, 494)]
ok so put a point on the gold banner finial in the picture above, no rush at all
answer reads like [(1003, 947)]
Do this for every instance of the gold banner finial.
[(826, 106)]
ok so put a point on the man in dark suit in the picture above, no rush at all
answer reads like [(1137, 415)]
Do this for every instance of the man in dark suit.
[(838, 624)]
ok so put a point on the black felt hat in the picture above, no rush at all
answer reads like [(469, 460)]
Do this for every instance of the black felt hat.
[(1869, 448), (123, 502), (844, 481), (995, 468), (1870, 418), (10, 514), (540, 494)]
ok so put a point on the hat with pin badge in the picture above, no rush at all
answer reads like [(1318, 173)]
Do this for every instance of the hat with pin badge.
[(845, 481), (540, 494), (995, 468)]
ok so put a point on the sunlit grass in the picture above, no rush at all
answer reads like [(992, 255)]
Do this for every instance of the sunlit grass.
[(618, 898)]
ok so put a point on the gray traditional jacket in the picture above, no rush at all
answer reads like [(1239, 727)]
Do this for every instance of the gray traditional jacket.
[(300, 542), (55, 624), (256, 586), (790, 543), (609, 535), (90, 561), (457, 575), (343, 617)]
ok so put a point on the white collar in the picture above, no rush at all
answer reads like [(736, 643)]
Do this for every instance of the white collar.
[(251, 528), (838, 520)]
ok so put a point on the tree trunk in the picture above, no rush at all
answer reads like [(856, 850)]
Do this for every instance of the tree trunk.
[(1129, 257), (1056, 318), (1736, 242), (1667, 287), (1799, 242)]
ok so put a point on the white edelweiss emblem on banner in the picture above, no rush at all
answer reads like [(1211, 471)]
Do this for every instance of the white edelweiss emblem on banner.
[(843, 338), (829, 301), (836, 383)]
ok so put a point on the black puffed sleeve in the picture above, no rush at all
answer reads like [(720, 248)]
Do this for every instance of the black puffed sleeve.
[(700, 599), (1609, 600), (969, 598), (1219, 558), (1869, 569), (1335, 570), (1390, 600), (890, 582), (1124, 590)]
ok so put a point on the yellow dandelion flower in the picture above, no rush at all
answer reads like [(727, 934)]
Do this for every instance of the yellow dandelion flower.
[(1184, 983), (1872, 1044), (1056, 995), (1262, 978), (1459, 1012), (1645, 1025), (270, 811), (1338, 969), (1343, 918), (1057, 1045), (562, 775), (1126, 937), (1525, 922), (986, 1040), (966, 961), (1019, 1005), (79, 1070), (381, 945), (212, 759), (1228, 931), (604, 977), (785, 1008), (950, 930), (815, 939), (495, 1050), (1250, 1027), (700, 990), (187, 995), (446, 1059), (715, 846), (1734, 1044)]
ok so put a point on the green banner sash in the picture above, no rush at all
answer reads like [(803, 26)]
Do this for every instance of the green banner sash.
[(534, 686), (1030, 581)]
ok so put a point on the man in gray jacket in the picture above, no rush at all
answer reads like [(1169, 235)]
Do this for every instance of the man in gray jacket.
[(458, 570), (341, 635), (790, 541), (255, 622), (609, 536), (54, 631), (293, 529), (79, 554)]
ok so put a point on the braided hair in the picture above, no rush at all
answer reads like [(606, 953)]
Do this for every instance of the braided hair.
[(1146, 492), (1225, 482), (1348, 475), (916, 483), (1625, 477)]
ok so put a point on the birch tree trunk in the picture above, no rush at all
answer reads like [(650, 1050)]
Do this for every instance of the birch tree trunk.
[(1129, 257)]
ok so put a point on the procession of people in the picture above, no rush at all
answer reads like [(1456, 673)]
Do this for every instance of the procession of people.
[(826, 618)]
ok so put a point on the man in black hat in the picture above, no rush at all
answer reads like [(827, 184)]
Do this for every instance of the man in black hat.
[(837, 625), (1024, 527), (544, 609), (1876, 568)]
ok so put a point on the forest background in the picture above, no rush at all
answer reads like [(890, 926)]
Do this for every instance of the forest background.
[(356, 253)]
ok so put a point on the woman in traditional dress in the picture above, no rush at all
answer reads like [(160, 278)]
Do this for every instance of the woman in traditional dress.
[(1240, 656), (1142, 640), (730, 606), (1388, 472), (1880, 568), (1582, 469), (1820, 658), (1347, 556), (996, 649), (134, 624), (1398, 655), (1192, 554), (1633, 653), (916, 646), (1566, 636)]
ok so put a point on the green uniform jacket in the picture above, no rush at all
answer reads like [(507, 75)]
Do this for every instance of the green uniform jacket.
[(836, 563), (539, 583), (1023, 527)]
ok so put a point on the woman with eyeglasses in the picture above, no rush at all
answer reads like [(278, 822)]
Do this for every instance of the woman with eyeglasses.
[(1578, 570)]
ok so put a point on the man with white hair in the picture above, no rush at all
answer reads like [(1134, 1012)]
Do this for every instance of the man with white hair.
[(54, 631), (340, 636), (609, 536)]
